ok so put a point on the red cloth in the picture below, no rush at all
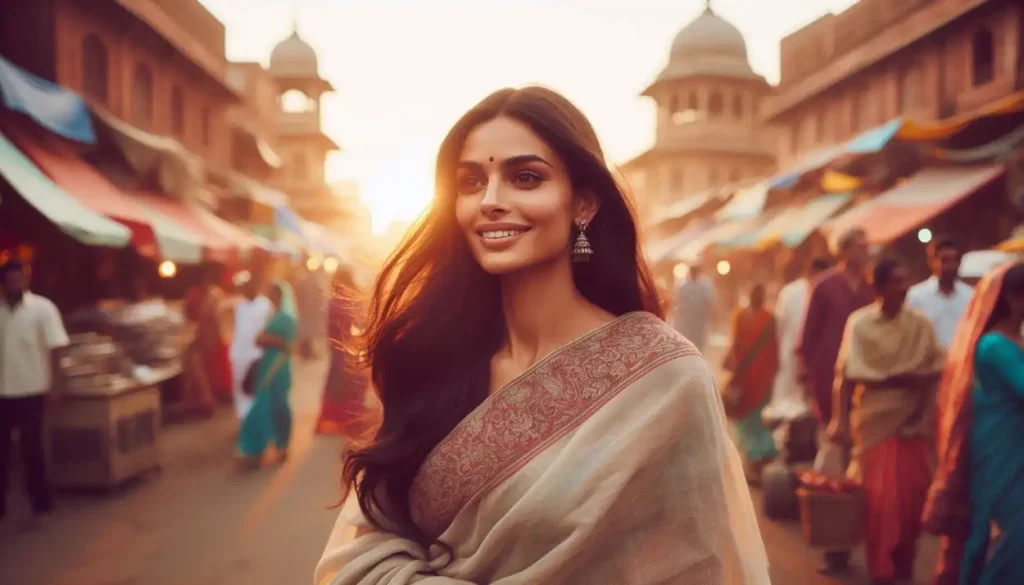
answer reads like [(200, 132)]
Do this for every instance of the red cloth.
[(896, 474), (343, 409)]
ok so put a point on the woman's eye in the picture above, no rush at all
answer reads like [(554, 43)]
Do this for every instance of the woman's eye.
[(526, 178), (470, 184)]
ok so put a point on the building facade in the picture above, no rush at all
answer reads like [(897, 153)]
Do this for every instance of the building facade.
[(156, 64), (707, 132), (881, 59)]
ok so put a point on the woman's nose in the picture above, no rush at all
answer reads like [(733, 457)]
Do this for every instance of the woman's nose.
[(493, 201)]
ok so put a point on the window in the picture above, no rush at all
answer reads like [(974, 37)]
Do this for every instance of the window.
[(909, 89), (94, 69), (294, 101), (178, 111), (693, 103), (735, 175), (673, 104), (982, 57), (737, 106), (206, 122), (819, 126), (715, 104), (142, 96)]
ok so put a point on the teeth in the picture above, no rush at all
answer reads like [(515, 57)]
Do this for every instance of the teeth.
[(497, 235)]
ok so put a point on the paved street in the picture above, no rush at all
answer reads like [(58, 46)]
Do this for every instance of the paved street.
[(201, 522)]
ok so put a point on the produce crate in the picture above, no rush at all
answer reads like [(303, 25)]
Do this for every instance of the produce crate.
[(99, 441), (832, 520)]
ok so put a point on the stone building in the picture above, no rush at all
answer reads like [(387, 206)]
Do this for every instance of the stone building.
[(881, 59), (707, 132), (156, 64), (300, 138)]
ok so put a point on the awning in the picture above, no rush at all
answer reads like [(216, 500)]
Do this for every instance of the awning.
[(83, 182), (663, 250), (214, 246), (792, 225), (868, 142), (70, 216), (177, 171), (944, 129), (56, 108), (746, 203), (914, 201), (693, 251)]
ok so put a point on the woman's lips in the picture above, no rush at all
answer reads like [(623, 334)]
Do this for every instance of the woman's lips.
[(500, 239)]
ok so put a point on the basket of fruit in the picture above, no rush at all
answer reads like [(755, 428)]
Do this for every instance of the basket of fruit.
[(832, 511)]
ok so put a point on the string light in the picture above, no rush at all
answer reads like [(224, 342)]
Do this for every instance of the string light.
[(724, 267), (167, 269)]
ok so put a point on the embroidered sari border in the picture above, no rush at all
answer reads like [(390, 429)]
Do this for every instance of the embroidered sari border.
[(536, 410)]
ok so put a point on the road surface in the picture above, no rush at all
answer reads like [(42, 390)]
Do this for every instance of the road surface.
[(202, 522)]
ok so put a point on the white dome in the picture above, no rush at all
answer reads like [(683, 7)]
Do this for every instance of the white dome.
[(293, 57), (710, 45)]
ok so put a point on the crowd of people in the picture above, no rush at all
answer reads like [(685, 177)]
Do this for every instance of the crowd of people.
[(900, 378)]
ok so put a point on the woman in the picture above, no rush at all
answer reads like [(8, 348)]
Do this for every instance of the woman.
[(541, 423), (252, 312), (204, 306), (752, 361), (978, 492), (343, 409), (270, 419)]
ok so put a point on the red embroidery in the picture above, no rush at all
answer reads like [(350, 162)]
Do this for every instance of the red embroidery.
[(536, 410)]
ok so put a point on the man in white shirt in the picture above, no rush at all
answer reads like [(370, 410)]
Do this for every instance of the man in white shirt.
[(32, 338), (942, 298), (252, 312)]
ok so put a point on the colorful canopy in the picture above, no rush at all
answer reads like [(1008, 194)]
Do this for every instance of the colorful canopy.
[(56, 108)]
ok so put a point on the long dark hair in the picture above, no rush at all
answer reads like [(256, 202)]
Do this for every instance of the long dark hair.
[(435, 317)]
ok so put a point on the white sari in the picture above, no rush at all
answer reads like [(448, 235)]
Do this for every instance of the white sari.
[(607, 462)]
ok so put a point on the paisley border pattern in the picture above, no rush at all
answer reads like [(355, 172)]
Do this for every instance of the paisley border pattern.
[(537, 409)]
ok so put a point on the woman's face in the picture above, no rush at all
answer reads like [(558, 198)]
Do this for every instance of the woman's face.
[(514, 201)]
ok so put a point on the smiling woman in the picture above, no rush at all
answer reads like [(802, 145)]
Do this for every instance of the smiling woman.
[(541, 423)]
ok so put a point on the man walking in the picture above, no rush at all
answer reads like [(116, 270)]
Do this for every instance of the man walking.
[(692, 308), (32, 338)]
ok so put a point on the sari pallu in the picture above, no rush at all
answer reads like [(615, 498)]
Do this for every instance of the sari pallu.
[(607, 462)]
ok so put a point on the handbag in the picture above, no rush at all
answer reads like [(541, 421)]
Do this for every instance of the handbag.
[(249, 382), (730, 392)]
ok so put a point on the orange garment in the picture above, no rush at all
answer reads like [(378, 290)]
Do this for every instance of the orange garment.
[(756, 380), (896, 474), (204, 308)]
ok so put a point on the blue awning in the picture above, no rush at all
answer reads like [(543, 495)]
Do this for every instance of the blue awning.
[(56, 108), (871, 141)]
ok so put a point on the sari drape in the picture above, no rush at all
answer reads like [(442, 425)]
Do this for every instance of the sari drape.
[(607, 462), (947, 510), (269, 419), (343, 408)]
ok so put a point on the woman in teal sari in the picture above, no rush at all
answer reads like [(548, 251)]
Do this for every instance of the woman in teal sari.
[(270, 418)]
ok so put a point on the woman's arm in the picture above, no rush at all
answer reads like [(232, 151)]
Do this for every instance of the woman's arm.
[(270, 340)]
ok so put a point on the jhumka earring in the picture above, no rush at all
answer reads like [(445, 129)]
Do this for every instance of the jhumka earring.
[(581, 250)]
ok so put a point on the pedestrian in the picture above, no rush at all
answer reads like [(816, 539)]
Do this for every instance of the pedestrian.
[(692, 307), (207, 362), (832, 298), (752, 361), (32, 340), (541, 422), (269, 419), (788, 398), (942, 297), (977, 489), (252, 312), (343, 408), (889, 368)]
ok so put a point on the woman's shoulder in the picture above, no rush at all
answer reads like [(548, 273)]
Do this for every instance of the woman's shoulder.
[(993, 343), (654, 332)]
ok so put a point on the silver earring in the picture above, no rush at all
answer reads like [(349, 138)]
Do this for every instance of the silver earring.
[(581, 250)]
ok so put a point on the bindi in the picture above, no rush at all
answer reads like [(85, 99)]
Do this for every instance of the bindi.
[(490, 159)]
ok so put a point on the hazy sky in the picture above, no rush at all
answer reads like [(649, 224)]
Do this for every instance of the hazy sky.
[(404, 70)]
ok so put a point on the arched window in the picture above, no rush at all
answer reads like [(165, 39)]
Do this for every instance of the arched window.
[(982, 57), (178, 111), (737, 106), (715, 104), (673, 104), (142, 96), (94, 69), (693, 103)]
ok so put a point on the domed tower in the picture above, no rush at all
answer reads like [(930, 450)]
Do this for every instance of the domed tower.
[(707, 130), (301, 142)]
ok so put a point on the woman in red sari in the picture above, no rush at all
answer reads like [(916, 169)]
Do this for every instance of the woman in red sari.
[(753, 361), (204, 306), (343, 408)]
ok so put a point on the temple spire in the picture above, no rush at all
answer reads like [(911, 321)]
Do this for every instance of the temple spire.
[(295, 22), (707, 6)]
